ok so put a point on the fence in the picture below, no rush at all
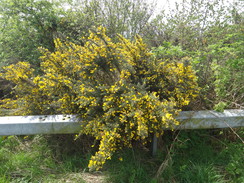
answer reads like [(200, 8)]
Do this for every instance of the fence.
[(64, 124)]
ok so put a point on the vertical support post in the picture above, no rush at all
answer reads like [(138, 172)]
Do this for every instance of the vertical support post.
[(154, 144)]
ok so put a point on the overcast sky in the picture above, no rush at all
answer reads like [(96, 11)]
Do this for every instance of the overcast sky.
[(163, 4), (170, 4)]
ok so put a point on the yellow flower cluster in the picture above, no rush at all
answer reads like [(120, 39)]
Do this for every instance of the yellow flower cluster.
[(23, 73), (121, 92)]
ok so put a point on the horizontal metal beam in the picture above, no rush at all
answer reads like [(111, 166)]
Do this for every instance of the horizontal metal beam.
[(63, 124), (39, 124), (211, 119)]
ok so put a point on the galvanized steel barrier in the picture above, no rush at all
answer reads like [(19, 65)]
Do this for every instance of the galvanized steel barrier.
[(64, 124)]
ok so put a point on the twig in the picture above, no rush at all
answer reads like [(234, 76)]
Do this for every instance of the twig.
[(164, 164), (230, 128)]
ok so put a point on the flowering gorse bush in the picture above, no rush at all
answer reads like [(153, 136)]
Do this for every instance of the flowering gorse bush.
[(120, 90)]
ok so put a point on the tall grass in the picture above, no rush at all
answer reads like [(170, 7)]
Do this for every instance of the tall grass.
[(199, 156), (33, 159)]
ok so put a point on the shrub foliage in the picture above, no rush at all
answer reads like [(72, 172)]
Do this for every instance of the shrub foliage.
[(121, 90)]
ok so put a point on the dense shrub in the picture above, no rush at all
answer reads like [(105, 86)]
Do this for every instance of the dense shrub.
[(220, 69), (120, 90)]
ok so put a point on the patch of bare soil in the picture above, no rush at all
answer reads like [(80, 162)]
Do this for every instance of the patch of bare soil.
[(93, 177), (81, 178)]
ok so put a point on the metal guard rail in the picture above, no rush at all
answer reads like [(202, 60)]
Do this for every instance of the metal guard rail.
[(64, 124)]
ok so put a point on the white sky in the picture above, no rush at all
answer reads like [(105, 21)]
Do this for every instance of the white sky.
[(170, 4), (163, 4)]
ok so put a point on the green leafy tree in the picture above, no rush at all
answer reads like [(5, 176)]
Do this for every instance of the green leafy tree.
[(201, 29), (26, 25), (185, 24), (125, 17), (227, 65)]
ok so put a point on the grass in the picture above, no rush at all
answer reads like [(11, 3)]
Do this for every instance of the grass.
[(199, 156), (33, 159)]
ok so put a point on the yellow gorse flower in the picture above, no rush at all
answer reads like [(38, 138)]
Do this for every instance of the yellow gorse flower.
[(121, 92)]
